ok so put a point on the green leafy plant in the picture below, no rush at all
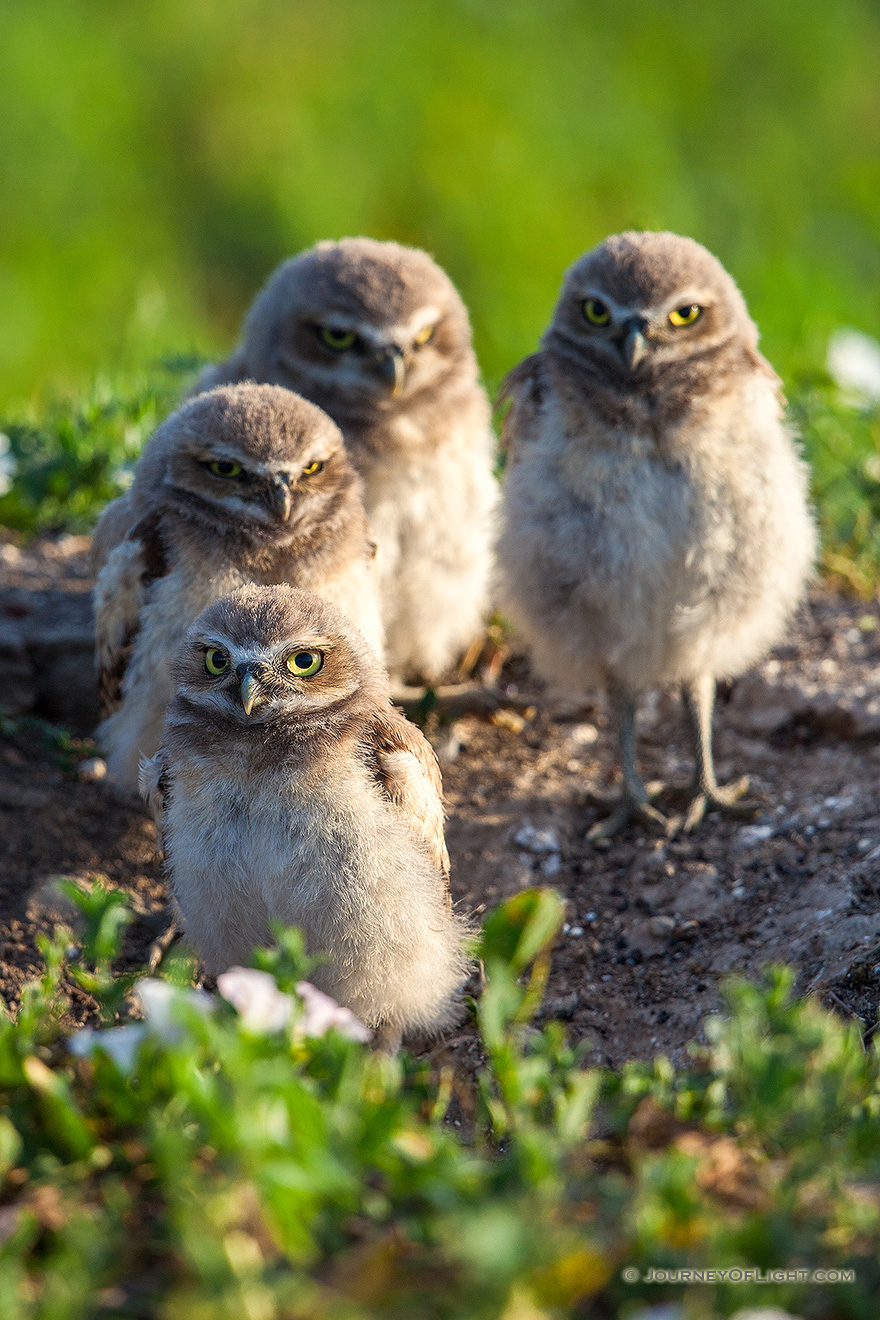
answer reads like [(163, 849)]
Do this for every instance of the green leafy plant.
[(197, 1163), (71, 456), (842, 442)]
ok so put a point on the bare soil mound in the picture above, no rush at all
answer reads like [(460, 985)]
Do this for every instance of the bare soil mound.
[(653, 924)]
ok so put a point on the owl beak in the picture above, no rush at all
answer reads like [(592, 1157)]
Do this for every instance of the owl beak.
[(281, 498), (392, 369), (633, 345), (250, 691)]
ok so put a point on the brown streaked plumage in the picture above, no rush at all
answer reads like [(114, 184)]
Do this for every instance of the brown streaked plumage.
[(289, 789), (656, 523), (401, 380), (244, 484)]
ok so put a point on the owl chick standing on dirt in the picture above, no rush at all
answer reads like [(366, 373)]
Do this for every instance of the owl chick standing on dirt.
[(656, 525), (287, 788), (249, 483), (377, 336)]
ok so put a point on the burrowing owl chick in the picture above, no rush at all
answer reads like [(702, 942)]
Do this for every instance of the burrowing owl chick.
[(656, 525), (249, 483), (287, 788), (377, 336)]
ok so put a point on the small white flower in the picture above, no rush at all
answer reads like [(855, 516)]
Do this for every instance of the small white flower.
[(7, 464), (124, 475), (854, 364), (323, 1014), (120, 1043), (261, 1006), (159, 1001)]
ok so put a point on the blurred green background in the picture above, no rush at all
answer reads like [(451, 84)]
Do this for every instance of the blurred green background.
[(158, 159)]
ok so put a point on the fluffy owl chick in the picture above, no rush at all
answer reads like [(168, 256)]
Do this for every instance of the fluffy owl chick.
[(656, 524), (288, 789), (377, 335), (249, 483)]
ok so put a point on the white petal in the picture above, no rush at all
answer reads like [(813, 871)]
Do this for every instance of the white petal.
[(120, 1043), (159, 999), (323, 1014), (260, 1004), (854, 363)]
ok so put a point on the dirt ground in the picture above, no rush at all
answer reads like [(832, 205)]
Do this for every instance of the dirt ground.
[(653, 924)]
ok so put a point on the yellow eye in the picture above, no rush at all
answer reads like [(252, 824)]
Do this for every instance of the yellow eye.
[(216, 661), (596, 312), (225, 468), (305, 664), (424, 336), (685, 315), (336, 338), (312, 468)]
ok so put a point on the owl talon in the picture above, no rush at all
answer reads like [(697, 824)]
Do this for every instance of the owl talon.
[(594, 797), (162, 945), (727, 799), (629, 809)]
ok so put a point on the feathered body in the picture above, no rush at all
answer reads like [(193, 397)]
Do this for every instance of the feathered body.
[(377, 336), (243, 484), (656, 525), (319, 806)]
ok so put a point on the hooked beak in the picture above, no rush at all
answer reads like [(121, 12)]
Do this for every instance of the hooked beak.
[(281, 497), (392, 369), (633, 345), (250, 690)]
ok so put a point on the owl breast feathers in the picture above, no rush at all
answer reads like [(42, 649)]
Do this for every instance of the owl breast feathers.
[(377, 335), (287, 788), (247, 483)]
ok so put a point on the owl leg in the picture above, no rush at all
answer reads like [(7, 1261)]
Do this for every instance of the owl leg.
[(387, 1039), (699, 700), (635, 803), (160, 947)]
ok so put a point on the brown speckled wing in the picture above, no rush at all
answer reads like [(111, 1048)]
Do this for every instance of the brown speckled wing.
[(119, 596), (524, 389), (154, 782), (406, 769), (113, 527)]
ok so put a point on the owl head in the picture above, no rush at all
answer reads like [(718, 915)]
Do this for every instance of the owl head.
[(275, 659), (642, 303), (358, 325), (252, 461)]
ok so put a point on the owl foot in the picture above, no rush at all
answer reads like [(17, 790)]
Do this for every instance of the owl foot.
[(714, 798), (628, 809), (162, 945)]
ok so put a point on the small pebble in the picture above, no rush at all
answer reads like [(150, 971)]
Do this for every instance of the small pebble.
[(661, 927), (93, 769), (537, 841), (750, 834), (508, 719), (583, 735)]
